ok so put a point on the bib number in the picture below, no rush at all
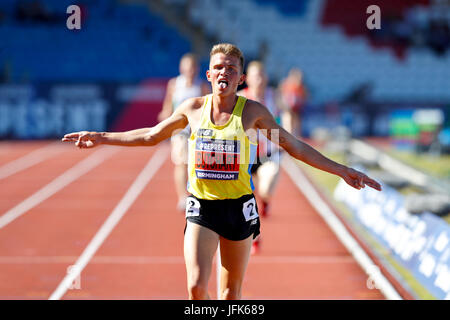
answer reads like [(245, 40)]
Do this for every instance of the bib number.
[(192, 207), (249, 210)]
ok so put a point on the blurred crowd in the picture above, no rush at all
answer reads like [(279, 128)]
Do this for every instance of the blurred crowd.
[(34, 11), (409, 31)]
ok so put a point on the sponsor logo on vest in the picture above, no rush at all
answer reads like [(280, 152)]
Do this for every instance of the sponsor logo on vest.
[(205, 132)]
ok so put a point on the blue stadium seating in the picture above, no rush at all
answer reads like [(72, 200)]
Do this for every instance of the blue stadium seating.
[(287, 7), (125, 42), (117, 42), (333, 63)]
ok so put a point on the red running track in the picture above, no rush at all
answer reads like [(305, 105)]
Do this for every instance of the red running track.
[(142, 257)]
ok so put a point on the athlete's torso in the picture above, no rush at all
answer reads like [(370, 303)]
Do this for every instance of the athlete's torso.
[(220, 156)]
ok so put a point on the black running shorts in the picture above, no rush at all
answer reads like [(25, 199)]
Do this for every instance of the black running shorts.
[(233, 219)]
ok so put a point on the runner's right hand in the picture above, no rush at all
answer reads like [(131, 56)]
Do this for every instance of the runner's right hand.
[(83, 139)]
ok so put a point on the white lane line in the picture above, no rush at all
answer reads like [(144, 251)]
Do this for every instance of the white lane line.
[(57, 184), (133, 260), (119, 211), (30, 159), (339, 229)]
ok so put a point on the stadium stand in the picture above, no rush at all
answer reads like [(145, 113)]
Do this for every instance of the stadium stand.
[(117, 42), (287, 7), (334, 63), (126, 42), (405, 24)]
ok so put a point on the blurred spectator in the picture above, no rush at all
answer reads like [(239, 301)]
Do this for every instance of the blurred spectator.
[(409, 31), (294, 95), (265, 171), (186, 85), (438, 36), (361, 94), (34, 11), (402, 31), (5, 75)]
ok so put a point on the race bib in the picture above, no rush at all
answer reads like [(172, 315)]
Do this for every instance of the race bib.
[(217, 159), (249, 210), (192, 207)]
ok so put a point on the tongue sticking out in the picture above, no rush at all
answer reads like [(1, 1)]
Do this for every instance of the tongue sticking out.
[(223, 84)]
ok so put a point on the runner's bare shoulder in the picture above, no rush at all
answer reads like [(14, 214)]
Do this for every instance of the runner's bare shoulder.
[(191, 105)]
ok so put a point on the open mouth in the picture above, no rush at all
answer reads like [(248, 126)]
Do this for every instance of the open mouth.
[(223, 83)]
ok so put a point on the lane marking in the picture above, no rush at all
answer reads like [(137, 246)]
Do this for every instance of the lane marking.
[(118, 212), (57, 184), (30, 159), (169, 259), (366, 263)]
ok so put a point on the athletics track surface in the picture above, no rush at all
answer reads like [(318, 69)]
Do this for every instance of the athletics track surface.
[(61, 206)]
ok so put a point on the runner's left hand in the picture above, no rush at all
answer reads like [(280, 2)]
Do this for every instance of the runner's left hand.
[(359, 180)]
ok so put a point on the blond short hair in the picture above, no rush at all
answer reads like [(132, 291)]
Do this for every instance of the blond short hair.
[(229, 50)]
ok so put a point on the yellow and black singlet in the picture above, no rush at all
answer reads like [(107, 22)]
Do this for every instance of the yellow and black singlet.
[(220, 157)]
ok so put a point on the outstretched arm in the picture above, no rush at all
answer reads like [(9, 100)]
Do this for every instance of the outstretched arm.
[(304, 152), (139, 137)]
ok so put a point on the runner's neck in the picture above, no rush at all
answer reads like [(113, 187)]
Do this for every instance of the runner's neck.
[(224, 104)]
